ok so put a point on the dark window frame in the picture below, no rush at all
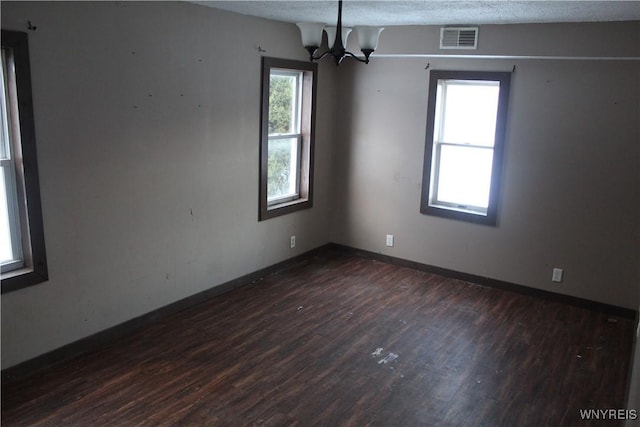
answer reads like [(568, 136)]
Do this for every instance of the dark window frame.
[(491, 217), (309, 90), (35, 270)]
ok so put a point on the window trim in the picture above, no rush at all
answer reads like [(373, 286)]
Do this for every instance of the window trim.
[(491, 217), (35, 270), (272, 209)]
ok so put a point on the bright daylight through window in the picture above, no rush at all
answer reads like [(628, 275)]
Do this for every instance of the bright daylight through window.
[(286, 148), (22, 254), (465, 138)]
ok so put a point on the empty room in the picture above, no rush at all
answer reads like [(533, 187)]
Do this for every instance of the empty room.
[(332, 213)]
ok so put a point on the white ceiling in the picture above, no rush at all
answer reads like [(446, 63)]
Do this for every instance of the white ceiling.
[(427, 12)]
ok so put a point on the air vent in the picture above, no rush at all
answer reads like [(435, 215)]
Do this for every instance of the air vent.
[(459, 38)]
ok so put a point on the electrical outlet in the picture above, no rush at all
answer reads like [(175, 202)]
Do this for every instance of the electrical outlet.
[(293, 242), (390, 240), (557, 275)]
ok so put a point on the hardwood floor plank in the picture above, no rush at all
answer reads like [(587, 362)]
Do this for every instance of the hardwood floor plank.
[(344, 340)]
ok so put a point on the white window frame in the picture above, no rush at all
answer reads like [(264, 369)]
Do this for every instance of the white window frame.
[(8, 165), (296, 114), (294, 171)]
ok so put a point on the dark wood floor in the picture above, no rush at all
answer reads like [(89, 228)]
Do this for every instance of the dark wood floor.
[(342, 340)]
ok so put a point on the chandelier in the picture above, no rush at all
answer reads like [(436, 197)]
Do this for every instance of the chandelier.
[(337, 38)]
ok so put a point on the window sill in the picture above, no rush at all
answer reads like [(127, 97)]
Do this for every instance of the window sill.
[(458, 209), (284, 208), (284, 204), (22, 278), (16, 272), (490, 218)]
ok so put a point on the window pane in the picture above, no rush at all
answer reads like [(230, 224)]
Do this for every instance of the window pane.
[(465, 175), (282, 177), (283, 103), (6, 249), (470, 111)]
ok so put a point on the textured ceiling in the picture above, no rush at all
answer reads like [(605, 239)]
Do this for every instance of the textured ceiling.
[(416, 12)]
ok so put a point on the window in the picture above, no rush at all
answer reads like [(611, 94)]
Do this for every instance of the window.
[(466, 120), (286, 146), (22, 253)]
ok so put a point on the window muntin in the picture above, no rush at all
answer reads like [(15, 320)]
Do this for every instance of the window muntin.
[(463, 152), (22, 248), (287, 136)]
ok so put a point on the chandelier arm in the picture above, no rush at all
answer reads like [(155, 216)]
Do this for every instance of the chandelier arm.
[(322, 55), (357, 58)]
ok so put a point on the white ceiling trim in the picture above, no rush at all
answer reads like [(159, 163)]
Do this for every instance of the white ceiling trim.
[(534, 57)]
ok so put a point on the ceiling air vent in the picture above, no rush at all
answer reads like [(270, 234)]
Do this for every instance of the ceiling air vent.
[(458, 38)]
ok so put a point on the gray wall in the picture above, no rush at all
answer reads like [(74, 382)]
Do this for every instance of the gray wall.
[(571, 181), (147, 124)]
